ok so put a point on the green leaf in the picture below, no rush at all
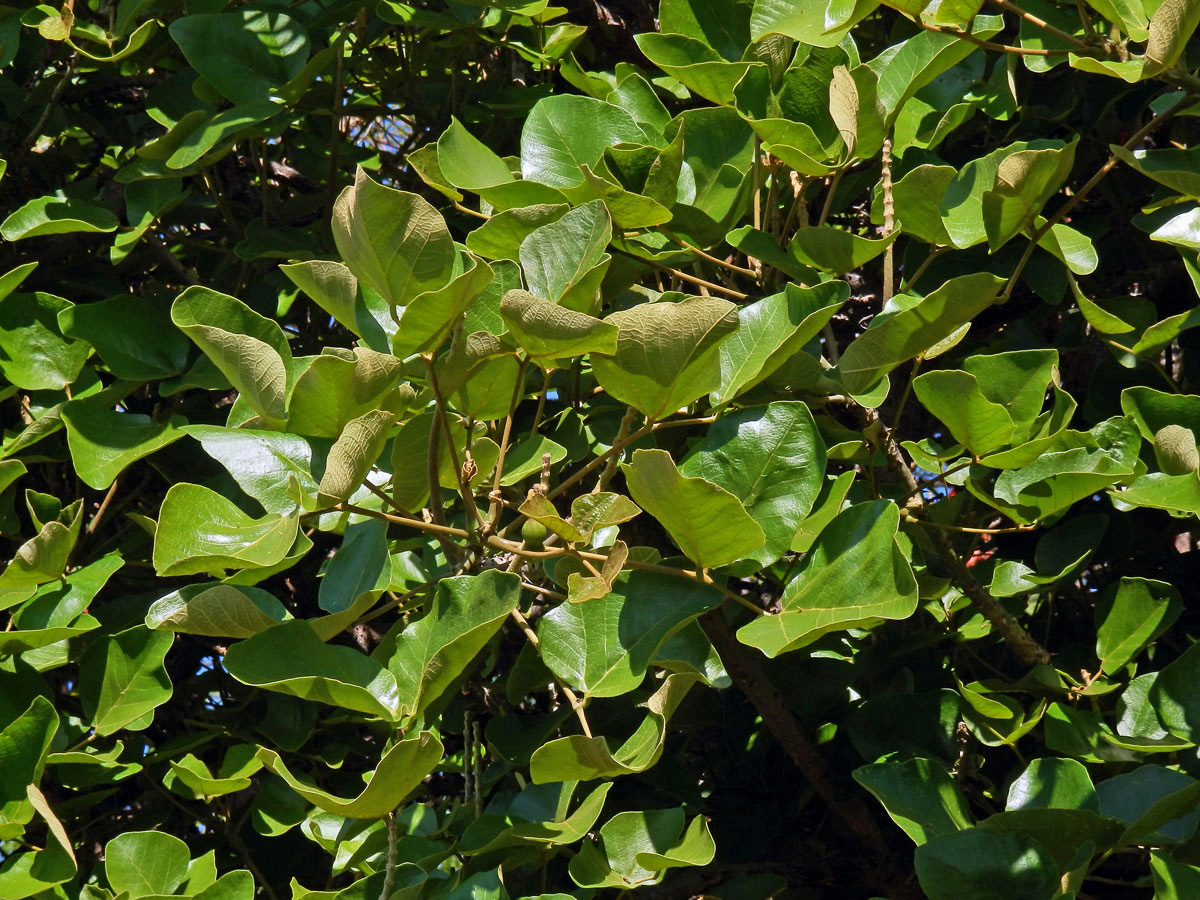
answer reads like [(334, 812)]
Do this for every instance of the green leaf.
[(145, 347), (265, 463), (331, 285), (1025, 181), (201, 531), (34, 355), (193, 776), (24, 742), (360, 571), (772, 459), (707, 522), (217, 610), (434, 651), (975, 864), (466, 162), (635, 848), (833, 249), (1053, 783), (400, 771), (40, 559), (604, 646), (723, 26), (1077, 464), (856, 110), (854, 575), (565, 132), (919, 60), (1175, 695), (919, 795), (227, 124), (250, 350), (695, 65), (339, 387), (668, 354), (353, 455), (1171, 27), (291, 659), (247, 55), (123, 680), (890, 341), (557, 258), (589, 512), (525, 458), (1173, 879), (500, 237), (145, 863), (551, 332), (1177, 169), (771, 330), (392, 240), (957, 399), (804, 21), (56, 214), (1157, 804), (105, 442), (428, 318), (1130, 614)]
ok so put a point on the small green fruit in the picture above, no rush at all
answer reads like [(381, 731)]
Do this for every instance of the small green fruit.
[(534, 533)]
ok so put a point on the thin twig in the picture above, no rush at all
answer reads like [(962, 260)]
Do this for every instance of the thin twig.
[(716, 261), (992, 45), (112, 490), (1041, 23), (684, 276)]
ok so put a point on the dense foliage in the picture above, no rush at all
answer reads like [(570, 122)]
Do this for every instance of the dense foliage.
[(462, 451)]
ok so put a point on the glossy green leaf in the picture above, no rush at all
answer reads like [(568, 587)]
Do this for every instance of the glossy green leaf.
[(392, 240), (56, 214), (104, 442), (146, 345), (564, 132), (772, 459), (24, 742), (291, 659), (832, 249), (710, 524), (603, 647), (635, 848), (1132, 613), (466, 162), (975, 864), (773, 329), (146, 863), (557, 257), (919, 795), (215, 609), (34, 354), (265, 463), (401, 769), (913, 330), (123, 679), (854, 576), (432, 652), (246, 55), (201, 531)]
